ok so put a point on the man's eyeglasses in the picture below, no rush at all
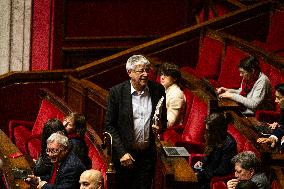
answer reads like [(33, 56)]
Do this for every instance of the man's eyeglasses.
[(53, 151), (140, 71)]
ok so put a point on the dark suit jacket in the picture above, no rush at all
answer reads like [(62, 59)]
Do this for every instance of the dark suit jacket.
[(68, 174), (119, 116), (279, 132)]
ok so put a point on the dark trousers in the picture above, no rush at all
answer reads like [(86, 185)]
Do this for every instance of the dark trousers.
[(141, 175)]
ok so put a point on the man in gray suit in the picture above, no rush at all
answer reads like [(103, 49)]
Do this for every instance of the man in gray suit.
[(131, 106)]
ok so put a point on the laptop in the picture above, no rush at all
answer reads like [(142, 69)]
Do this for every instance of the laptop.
[(176, 151)]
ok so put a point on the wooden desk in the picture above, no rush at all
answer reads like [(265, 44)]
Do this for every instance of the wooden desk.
[(173, 172), (6, 148)]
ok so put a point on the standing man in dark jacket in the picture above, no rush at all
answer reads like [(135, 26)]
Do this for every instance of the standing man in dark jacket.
[(131, 106), (67, 167)]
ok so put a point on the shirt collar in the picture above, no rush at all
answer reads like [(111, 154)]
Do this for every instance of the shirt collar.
[(134, 91)]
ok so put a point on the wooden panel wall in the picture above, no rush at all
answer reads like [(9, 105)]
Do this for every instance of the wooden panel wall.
[(71, 33)]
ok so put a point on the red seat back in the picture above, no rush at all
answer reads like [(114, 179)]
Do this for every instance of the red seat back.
[(98, 162), (47, 111), (243, 144), (229, 75), (210, 56), (195, 127), (275, 37)]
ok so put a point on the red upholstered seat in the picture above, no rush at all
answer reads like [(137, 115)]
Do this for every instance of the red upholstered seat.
[(98, 162), (275, 76), (174, 133), (229, 75), (20, 132), (215, 10), (275, 38), (209, 57), (191, 135)]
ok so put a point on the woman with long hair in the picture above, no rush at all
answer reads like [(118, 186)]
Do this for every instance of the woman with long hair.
[(219, 150)]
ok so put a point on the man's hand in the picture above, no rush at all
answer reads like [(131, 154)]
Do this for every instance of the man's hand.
[(231, 184), (127, 160), (32, 180), (273, 125), (267, 140)]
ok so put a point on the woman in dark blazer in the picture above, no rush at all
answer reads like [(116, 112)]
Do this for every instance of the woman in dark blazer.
[(220, 148)]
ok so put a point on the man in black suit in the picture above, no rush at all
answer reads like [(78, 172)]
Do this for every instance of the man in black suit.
[(131, 106), (67, 167), (278, 133)]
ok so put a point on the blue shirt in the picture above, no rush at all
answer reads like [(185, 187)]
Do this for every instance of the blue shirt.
[(142, 109)]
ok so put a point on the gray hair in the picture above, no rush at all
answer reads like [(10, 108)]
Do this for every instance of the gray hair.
[(247, 159), (135, 60), (59, 138)]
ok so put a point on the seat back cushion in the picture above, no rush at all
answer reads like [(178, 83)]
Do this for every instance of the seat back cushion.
[(275, 37), (47, 111), (195, 127), (243, 144), (229, 74), (210, 56), (34, 147), (98, 162), (188, 100)]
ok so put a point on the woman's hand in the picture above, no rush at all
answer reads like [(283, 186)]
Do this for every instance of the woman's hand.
[(198, 165), (226, 94), (221, 90)]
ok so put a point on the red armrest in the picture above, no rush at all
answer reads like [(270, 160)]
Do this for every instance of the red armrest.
[(192, 146), (267, 116), (15, 123), (193, 158), (32, 137)]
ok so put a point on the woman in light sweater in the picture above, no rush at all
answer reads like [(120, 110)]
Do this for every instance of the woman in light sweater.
[(175, 100), (255, 91)]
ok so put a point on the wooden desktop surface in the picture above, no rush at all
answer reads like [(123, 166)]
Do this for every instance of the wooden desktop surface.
[(6, 149), (173, 172)]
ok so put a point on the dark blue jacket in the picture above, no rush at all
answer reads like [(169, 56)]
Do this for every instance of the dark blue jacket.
[(68, 174)]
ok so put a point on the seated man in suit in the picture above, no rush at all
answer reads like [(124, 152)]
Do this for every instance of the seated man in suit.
[(247, 167), (91, 179), (278, 133), (67, 167)]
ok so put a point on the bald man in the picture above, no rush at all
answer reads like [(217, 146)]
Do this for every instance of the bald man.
[(91, 179)]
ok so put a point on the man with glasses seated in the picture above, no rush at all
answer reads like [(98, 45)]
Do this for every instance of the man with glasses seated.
[(67, 167)]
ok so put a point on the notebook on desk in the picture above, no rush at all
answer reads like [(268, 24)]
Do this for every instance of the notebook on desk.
[(176, 151)]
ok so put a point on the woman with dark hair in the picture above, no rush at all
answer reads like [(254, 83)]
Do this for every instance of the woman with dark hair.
[(175, 99), (255, 91), (76, 127), (43, 165), (219, 150)]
